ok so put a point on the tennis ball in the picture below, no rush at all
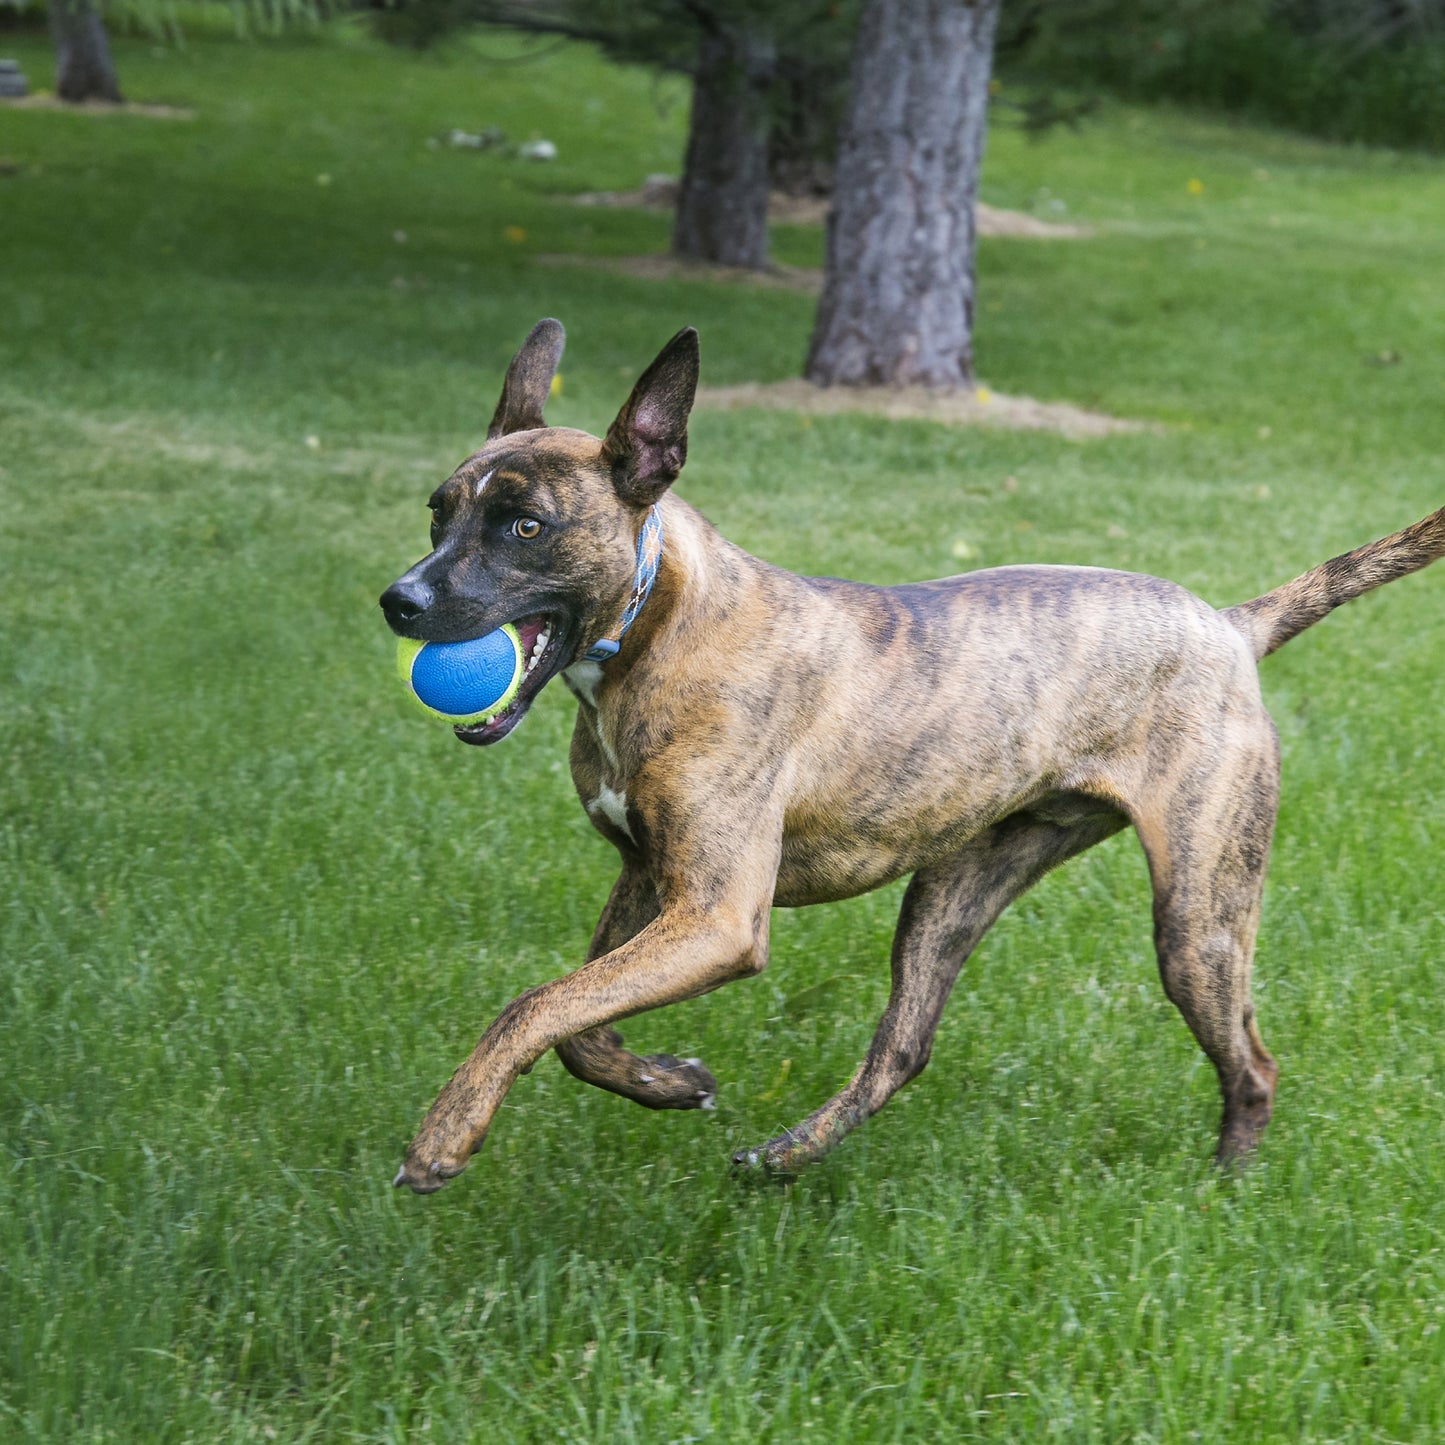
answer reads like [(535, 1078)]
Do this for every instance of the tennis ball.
[(463, 682)]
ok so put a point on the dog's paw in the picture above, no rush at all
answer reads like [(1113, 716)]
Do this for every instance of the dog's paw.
[(425, 1180), (668, 1083), (780, 1159), (426, 1171)]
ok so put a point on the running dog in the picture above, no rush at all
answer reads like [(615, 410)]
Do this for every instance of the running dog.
[(749, 739)]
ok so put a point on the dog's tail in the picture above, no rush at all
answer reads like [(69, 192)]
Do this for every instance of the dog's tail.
[(1270, 621)]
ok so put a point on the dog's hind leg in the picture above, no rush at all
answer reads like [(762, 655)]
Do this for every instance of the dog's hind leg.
[(657, 1081), (1207, 840), (946, 911)]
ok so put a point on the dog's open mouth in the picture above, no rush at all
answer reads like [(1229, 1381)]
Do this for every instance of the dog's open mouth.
[(541, 638)]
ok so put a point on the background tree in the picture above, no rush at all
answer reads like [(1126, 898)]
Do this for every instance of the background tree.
[(898, 290), (84, 69), (722, 200), (1359, 70), (755, 66)]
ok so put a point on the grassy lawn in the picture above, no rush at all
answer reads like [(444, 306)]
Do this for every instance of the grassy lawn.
[(256, 909)]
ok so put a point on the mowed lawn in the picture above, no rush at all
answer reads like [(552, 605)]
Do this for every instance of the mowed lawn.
[(255, 909)]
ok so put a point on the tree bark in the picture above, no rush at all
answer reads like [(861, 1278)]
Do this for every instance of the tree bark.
[(722, 203), (898, 289), (83, 67)]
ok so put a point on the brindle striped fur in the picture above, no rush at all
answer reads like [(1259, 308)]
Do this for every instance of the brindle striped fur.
[(766, 740)]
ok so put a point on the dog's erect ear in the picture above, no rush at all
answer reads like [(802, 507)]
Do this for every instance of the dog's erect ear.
[(529, 380), (647, 444)]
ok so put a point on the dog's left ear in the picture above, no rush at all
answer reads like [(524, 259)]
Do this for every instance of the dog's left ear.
[(647, 444), (529, 380)]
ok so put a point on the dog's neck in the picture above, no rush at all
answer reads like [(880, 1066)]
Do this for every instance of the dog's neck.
[(700, 577), (650, 541), (699, 581)]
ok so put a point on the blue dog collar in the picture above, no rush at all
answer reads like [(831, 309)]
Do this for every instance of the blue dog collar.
[(649, 558)]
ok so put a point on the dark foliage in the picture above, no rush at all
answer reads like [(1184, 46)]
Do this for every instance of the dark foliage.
[(1361, 70)]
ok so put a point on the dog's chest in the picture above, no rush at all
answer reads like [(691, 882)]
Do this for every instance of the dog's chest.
[(595, 767)]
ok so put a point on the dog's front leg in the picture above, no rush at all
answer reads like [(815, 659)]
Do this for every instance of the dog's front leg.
[(597, 1057), (696, 944)]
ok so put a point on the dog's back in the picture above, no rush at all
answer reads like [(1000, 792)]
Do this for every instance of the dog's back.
[(896, 722)]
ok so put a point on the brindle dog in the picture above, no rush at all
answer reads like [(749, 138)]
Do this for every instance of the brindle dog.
[(762, 739)]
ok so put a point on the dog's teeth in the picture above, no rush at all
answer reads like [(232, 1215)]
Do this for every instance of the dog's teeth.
[(538, 648)]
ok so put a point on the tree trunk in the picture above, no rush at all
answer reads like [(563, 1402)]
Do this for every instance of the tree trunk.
[(722, 203), (897, 303), (83, 67)]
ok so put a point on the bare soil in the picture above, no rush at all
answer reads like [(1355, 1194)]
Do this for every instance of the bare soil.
[(952, 408), (42, 100), (785, 210), (680, 268)]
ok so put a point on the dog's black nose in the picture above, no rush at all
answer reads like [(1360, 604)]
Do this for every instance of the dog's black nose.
[(405, 601)]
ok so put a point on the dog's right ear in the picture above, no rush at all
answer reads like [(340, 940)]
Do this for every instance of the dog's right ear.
[(529, 380), (647, 444)]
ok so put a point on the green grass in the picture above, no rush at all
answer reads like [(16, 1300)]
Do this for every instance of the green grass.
[(255, 909)]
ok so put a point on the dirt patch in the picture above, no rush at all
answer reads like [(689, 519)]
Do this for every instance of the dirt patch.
[(43, 101), (659, 193), (990, 220), (952, 408), (994, 221), (681, 268)]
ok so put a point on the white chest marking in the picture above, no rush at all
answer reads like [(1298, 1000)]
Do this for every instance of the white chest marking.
[(584, 678), (613, 806)]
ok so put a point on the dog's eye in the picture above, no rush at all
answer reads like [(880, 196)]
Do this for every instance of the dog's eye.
[(526, 528)]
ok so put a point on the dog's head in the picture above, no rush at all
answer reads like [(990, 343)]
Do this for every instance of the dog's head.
[(539, 528)]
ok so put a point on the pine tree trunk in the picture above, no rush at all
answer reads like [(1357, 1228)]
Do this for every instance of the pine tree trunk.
[(83, 67), (722, 203), (898, 291)]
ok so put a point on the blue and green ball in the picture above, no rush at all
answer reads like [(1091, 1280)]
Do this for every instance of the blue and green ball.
[(464, 683)]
